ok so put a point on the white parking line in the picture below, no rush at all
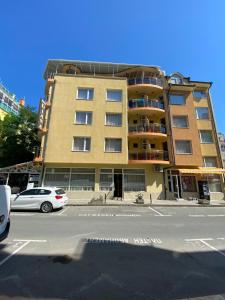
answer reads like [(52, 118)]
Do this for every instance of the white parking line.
[(63, 211), (199, 239), (216, 215), (156, 211), (14, 252), (26, 242), (211, 247), (21, 214), (196, 216)]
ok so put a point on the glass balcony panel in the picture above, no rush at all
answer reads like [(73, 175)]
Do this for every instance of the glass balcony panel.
[(141, 102)]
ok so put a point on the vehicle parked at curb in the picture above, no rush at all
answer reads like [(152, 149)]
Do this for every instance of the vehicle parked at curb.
[(5, 193), (44, 199)]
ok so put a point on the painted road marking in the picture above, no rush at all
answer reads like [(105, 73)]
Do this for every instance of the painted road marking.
[(13, 253), (123, 240), (63, 211), (196, 216), (216, 215), (25, 243), (21, 214), (212, 247), (199, 239), (156, 211), (204, 242), (109, 215)]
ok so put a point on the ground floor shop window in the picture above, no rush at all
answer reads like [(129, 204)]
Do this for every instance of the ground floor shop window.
[(134, 180), (80, 179), (188, 184), (215, 185), (58, 177), (106, 180)]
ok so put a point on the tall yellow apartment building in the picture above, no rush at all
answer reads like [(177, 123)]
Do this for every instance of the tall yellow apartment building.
[(118, 129)]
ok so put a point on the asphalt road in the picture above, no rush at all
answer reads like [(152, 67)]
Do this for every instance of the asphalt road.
[(115, 253)]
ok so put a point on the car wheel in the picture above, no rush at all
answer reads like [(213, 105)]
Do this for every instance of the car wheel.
[(46, 207)]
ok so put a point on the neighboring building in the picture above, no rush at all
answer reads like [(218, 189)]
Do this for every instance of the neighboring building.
[(8, 103), (222, 145), (120, 129)]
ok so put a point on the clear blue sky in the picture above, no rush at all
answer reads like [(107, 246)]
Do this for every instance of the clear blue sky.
[(184, 36)]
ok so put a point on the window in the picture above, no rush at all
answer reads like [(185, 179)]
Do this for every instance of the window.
[(58, 177), (202, 112), (43, 192), (113, 119), (183, 147), (135, 145), (29, 192), (215, 185), (199, 94), (180, 121), (82, 144), (176, 80), (106, 180), (206, 136), (114, 95), (83, 117), (177, 99), (113, 145), (134, 180), (210, 162), (85, 94), (188, 184), (82, 179)]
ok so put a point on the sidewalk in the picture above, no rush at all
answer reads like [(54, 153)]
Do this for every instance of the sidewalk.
[(176, 203)]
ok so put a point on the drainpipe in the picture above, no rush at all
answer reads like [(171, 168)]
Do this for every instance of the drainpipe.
[(171, 143)]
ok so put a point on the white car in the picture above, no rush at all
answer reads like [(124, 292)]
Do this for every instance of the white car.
[(44, 198)]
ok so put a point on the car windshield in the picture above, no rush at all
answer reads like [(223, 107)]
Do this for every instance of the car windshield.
[(60, 192)]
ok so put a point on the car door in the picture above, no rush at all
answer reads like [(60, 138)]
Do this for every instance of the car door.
[(42, 196), (25, 200)]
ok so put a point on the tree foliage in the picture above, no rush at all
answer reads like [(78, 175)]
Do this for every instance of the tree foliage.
[(18, 137)]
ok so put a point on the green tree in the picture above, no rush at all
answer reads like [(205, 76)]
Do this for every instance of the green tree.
[(18, 137)]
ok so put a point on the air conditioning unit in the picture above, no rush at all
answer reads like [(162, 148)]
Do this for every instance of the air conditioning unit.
[(158, 168)]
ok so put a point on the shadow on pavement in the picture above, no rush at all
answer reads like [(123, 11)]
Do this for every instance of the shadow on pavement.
[(113, 271)]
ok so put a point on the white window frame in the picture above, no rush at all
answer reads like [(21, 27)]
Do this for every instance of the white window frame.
[(212, 142), (112, 138), (196, 112), (85, 143), (116, 90), (109, 113), (86, 117), (210, 157), (181, 116), (188, 153), (88, 93)]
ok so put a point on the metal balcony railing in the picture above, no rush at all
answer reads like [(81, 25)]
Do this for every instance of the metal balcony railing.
[(145, 80), (149, 155), (141, 102), (156, 128)]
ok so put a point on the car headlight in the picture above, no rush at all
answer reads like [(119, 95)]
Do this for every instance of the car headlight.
[(2, 218)]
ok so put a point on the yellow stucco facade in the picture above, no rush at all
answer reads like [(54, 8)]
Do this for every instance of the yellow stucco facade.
[(140, 152)]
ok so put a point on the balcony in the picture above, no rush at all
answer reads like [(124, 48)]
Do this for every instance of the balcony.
[(145, 83), (151, 157), (142, 105), (151, 130)]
